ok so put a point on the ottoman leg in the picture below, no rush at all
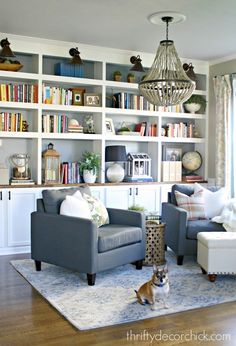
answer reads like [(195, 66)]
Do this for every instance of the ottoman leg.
[(212, 277), (203, 271)]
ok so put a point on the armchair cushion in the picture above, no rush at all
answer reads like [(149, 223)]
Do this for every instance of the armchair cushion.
[(194, 204), (214, 201), (196, 226), (187, 189), (97, 209), (52, 199), (114, 236), (77, 207)]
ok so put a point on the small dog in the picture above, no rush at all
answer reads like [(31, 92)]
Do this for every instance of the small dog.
[(155, 289)]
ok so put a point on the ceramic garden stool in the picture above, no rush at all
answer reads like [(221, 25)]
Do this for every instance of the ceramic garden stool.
[(216, 253)]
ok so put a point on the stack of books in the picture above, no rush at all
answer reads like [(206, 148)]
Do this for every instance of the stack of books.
[(192, 178), (75, 128)]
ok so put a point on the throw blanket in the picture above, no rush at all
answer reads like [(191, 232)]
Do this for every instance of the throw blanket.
[(228, 216)]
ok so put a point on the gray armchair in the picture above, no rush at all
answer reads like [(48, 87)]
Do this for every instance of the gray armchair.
[(78, 244), (180, 233)]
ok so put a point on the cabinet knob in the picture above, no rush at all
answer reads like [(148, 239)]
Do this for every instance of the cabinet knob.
[(130, 191), (9, 195), (136, 191), (0, 195)]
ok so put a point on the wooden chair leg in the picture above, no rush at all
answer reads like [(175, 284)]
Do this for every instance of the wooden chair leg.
[(180, 260), (212, 277), (38, 265), (91, 279), (139, 264)]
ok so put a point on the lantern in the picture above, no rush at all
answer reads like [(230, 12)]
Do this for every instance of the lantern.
[(51, 165)]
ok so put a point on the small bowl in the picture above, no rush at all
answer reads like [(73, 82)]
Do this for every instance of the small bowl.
[(192, 107)]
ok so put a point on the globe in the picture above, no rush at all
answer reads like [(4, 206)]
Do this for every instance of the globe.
[(192, 160)]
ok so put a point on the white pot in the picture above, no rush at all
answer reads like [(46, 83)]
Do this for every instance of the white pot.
[(89, 176), (192, 107)]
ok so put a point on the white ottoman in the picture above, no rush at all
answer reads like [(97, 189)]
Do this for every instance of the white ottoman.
[(216, 253)]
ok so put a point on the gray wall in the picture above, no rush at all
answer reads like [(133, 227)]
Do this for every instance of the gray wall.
[(226, 67)]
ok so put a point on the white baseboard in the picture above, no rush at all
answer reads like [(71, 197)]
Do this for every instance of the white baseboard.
[(14, 250)]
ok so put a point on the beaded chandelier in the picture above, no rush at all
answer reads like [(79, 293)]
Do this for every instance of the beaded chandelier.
[(166, 83)]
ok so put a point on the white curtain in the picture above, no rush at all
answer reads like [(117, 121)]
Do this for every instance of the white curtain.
[(224, 131)]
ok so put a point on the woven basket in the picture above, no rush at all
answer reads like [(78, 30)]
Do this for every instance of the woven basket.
[(10, 67), (155, 243)]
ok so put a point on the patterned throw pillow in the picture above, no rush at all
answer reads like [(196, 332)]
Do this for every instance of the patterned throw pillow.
[(194, 204), (98, 210)]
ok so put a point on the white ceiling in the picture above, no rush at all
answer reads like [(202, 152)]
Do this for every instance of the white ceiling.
[(208, 33)]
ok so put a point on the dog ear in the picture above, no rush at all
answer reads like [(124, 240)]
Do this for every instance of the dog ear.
[(155, 269), (165, 268)]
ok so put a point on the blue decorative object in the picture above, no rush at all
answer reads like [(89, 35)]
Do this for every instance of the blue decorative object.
[(70, 70)]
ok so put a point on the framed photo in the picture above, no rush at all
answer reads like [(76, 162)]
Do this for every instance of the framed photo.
[(172, 154), (109, 126), (94, 100), (77, 97)]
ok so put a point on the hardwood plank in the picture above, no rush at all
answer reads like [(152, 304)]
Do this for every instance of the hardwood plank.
[(27, 319)]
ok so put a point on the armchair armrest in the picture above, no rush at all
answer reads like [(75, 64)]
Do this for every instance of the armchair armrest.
[(126, 217), (63, 240), (176, 226)]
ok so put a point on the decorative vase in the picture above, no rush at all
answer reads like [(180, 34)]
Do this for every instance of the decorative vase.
[(89, 176), (192, 107)]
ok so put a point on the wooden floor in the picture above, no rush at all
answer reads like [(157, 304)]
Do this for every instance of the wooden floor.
[(27, 319)]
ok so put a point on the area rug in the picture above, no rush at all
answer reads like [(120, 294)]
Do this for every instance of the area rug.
[(112, 300)]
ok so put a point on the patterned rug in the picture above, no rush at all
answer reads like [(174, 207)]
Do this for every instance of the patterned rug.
[(112, 300)]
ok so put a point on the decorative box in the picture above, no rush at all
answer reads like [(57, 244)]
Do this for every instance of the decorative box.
[(70, 70)]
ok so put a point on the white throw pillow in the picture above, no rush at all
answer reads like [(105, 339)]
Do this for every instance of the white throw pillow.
[(214, 201), (194, 204), (74, 206), (98, 210)]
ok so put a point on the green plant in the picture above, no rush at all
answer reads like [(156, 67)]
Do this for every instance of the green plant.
[(136, 207), (90, 161), (131, 75), (117, 73), (124, 129), (197, 99)]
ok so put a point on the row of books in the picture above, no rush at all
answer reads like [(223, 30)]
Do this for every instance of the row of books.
[(174, 109), (19, 93), (184, 130), (12, 122), (59, 123), (146, 129), (131, 101), (57, 95), (70, 173)]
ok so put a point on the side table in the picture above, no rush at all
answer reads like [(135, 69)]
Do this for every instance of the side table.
[(155, 243)]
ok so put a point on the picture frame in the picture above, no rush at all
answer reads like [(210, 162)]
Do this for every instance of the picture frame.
[(92, 100), (109, 126), (172, 153), (77, 97)]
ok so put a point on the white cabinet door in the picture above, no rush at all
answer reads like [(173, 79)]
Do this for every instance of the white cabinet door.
[(120, 197), (2, 218), (124, 197), (165, 188), (98, 192), (21, 203), (147, 196)]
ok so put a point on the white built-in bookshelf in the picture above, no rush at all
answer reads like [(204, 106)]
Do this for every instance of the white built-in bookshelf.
[(39, 58)]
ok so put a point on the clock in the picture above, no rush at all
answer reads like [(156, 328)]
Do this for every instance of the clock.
[(191, 161)]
